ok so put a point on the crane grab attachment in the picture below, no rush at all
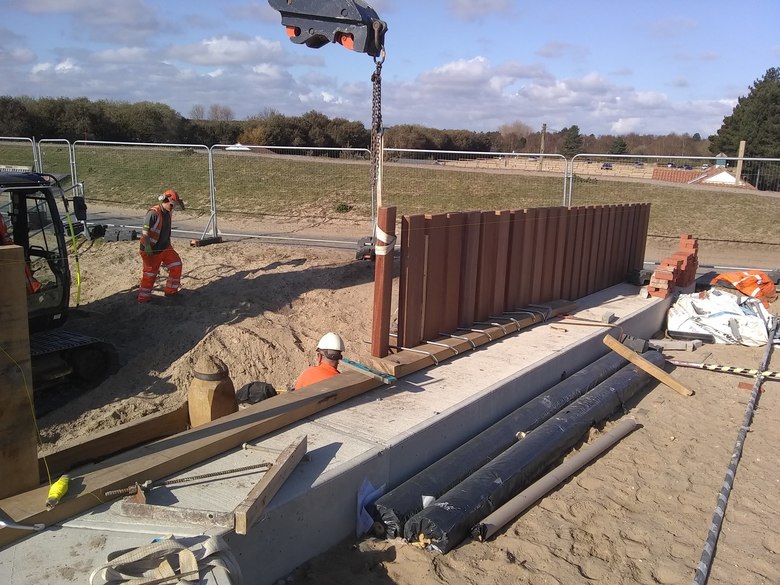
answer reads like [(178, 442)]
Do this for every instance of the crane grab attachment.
[(315, 23)]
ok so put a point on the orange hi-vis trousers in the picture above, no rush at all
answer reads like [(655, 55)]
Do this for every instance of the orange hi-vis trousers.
[(171, 261)]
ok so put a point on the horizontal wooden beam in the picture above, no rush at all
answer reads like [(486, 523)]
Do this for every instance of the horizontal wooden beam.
[(173, 454), (99, 446)]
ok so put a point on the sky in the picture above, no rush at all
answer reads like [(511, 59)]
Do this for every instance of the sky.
[(608, 66)]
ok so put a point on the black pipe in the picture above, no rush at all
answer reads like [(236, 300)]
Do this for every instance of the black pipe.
[(398, 505), (446, 522)]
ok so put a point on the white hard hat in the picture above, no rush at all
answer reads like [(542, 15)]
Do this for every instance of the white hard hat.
[(331, 341)]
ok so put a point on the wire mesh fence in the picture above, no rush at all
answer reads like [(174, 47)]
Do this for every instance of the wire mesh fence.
[(724, 200)]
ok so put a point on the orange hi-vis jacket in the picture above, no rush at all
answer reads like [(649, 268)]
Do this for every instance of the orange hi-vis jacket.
[(32, 284), (315, 374), (753, 283)]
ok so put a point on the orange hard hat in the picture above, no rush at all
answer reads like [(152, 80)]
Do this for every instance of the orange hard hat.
[(171, 194)]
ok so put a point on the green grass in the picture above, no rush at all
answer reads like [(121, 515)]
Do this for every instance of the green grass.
[(257, 183)]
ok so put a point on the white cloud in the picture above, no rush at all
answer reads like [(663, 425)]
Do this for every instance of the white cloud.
[(66, 66), (226, 50), (626, 125), (124, 55), (41, 68)]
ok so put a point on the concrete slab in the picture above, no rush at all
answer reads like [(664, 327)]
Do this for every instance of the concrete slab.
[(383, 437)]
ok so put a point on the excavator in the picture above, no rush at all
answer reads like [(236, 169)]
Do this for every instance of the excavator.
[(36, 213), (356, 26)]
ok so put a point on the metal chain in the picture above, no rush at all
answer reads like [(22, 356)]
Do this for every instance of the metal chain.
[(376, 124)]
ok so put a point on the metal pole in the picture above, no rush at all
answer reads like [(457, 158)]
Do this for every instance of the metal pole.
[(525, 499), (705, 562)]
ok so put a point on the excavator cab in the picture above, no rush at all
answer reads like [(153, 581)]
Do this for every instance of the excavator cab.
[(29, 208)]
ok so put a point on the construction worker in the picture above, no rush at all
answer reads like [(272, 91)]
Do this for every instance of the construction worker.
[(329, 350), (32, 284), (156, 248)]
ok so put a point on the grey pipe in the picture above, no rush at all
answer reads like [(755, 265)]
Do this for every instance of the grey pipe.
[(705, 562), (525, 499)]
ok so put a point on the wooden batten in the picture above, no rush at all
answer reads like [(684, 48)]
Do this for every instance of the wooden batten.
[(425, 355)]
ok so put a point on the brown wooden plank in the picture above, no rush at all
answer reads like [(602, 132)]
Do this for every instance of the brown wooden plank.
[(560, 271), (538, 268), (486, 270), (502, 254), (589, 219), (550, 242), (99, 446), (515, 258), (248, 511), (410, 286), (594, 261), (574, 253), (435, 268), (606, 251), (176, 453), (645, 365), (406, 362), (631, 239), (383, 284), (469, 269), (455, 231), (18, 438), (530, 222)]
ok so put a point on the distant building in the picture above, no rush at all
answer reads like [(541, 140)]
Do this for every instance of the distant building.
[(720, 160)]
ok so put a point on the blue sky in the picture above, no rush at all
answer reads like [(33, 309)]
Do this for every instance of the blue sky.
[(609, 66)]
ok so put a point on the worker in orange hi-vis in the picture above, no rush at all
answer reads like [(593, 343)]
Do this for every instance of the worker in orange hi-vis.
[(329, 350), (32, 284), (156, 248)]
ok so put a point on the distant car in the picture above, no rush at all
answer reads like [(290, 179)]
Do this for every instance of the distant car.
[(705, 166), (533, 158), (639, 164), (606, 166), (238, 146)]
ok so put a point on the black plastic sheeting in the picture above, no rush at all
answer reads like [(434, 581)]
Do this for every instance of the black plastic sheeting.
[(400, 504), (450, 518)]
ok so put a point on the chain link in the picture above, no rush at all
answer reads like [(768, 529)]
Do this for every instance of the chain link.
[(376, 124)]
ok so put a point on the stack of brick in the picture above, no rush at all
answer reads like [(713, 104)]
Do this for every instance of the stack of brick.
[(676, 271)]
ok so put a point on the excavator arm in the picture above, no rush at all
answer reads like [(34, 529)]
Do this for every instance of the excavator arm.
[(315, 23)]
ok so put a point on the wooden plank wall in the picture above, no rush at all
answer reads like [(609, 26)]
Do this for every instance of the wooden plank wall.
[(458, 269)]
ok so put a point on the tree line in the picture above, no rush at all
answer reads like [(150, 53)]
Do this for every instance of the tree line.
[(755, 119)]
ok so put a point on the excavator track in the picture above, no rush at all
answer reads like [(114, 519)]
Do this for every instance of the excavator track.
[(60, 355)]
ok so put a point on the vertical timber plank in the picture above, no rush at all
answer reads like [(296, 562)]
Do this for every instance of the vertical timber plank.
[(574, 253), (550, 242), (410, 291), (530, 220), (469, 270), (436, 232), (540, 237), (502, 256), (515, 259), (594, 261), (18, 446), (455, 229), (562, 238), (486, 273), (383, 285)]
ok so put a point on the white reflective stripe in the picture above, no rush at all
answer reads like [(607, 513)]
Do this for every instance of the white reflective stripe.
[(173, 264), (150, 274)]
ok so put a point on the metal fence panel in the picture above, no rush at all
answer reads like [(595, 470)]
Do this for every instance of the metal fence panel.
[(434, 181), (18, 154)]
